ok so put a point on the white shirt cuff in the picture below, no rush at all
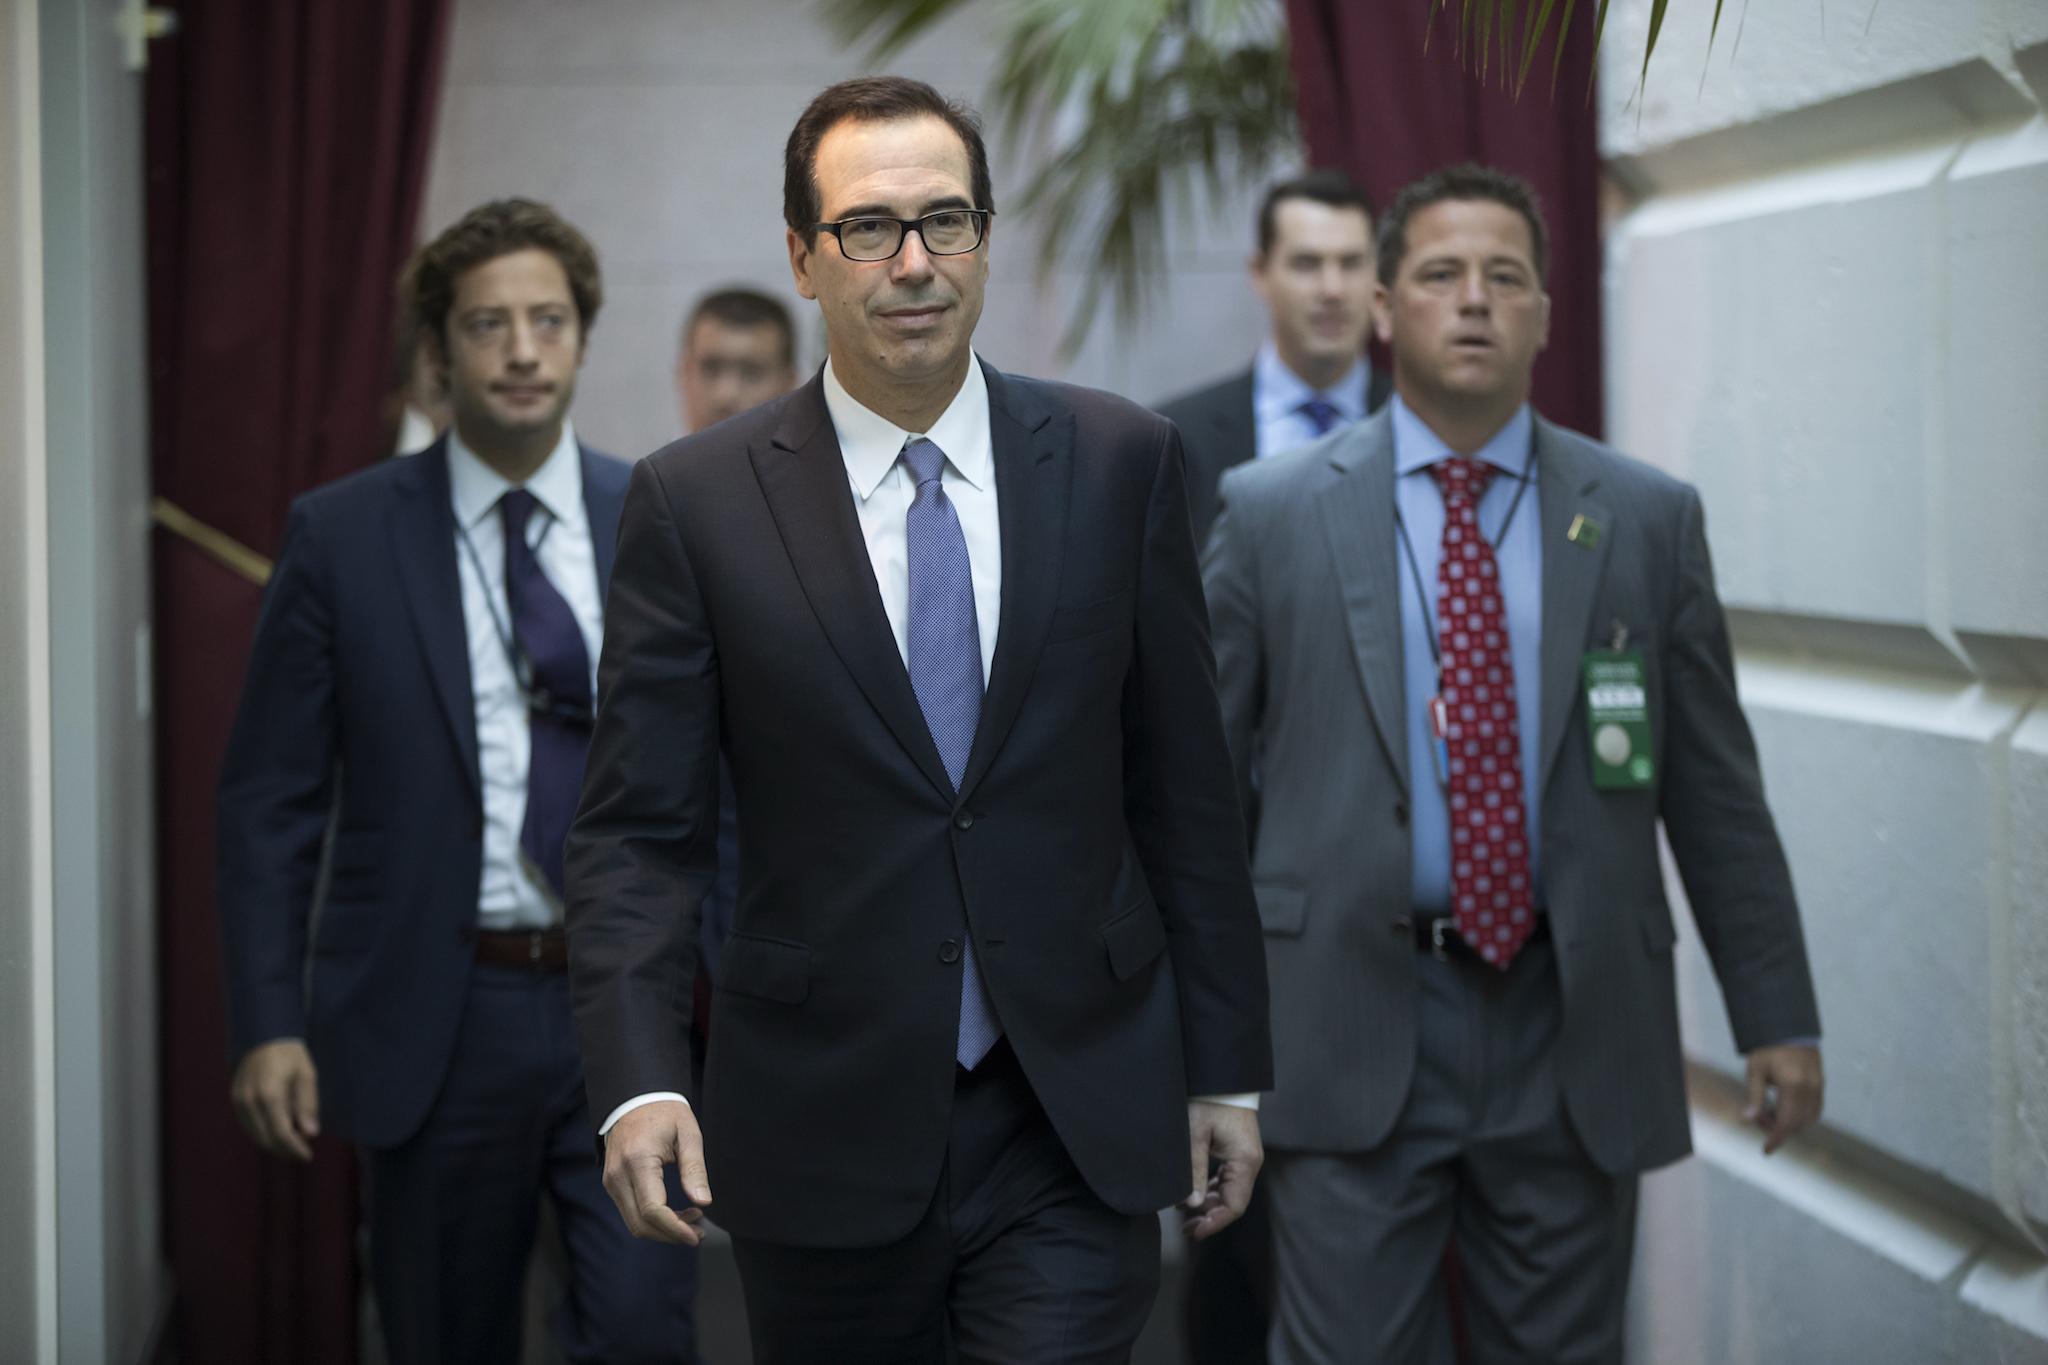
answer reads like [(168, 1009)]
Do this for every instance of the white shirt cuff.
[(630, 1105), (1248, 1100)]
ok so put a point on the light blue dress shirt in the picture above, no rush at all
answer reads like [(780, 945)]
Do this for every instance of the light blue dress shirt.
[(1278, 393), (1420, 506)]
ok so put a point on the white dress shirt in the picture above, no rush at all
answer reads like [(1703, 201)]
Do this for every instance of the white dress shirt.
[(514, 894), (883, 487)]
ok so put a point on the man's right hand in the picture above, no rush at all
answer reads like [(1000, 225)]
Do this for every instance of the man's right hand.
[(276, 1093), (639, 1146)]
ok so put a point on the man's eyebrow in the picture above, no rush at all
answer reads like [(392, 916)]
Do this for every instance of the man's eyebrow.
[(939, 205)]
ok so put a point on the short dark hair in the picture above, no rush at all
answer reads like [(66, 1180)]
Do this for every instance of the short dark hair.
[(1469, 181), (426, 287), (871, 99), (1324, 185), (741, 307)]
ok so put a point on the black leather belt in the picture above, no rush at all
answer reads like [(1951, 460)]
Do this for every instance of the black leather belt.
[(1438, 935), (536, 950)]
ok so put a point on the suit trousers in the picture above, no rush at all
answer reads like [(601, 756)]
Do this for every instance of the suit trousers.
[(453, 1211), (1015, 1263), (1483, 1153)]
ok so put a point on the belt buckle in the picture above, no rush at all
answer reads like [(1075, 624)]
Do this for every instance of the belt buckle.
[(1438, 927), (533, 946)]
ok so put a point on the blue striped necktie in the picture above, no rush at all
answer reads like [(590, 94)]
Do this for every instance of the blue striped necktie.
[(945, 673)]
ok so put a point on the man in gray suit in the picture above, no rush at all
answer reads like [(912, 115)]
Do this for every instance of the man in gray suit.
[(1480, 658)]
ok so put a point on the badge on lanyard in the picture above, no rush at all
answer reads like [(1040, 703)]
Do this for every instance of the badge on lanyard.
[(1618, 718), (1440, 738)]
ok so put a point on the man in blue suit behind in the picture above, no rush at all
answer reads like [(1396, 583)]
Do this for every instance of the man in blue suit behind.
[(403, 768)]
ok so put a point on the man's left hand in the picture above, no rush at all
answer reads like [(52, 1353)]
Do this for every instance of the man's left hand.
[(1230, 1134), (1785, 1087)]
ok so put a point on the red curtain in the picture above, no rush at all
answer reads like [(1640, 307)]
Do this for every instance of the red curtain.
[(286, 149), (1375, 103)]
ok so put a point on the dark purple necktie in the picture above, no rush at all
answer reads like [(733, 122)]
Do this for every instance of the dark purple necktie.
[(1321, 415), (556, 665)]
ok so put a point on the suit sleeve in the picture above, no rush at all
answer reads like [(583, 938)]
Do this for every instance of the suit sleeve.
[(275, 796), (1720, 828), (1230, 582), (643, 851), (1181, 804)]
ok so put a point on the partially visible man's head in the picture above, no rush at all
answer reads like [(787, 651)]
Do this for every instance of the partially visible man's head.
[(1463, 260), (738, 351), (503, 303), (1313, 271), (865, 152)]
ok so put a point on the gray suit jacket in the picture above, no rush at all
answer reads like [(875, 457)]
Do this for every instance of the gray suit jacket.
[(1303, 597)]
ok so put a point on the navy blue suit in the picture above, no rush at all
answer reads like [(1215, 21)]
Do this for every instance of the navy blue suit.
[(350, 860)]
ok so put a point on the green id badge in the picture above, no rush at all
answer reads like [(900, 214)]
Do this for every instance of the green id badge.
[(1618, 719)]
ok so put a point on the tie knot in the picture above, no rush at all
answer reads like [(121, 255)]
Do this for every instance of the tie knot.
[(516, 507), (1322, 415), (924, 460), (1462, 477)]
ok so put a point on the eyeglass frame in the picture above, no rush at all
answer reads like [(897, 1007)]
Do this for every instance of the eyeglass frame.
[(905, 227)]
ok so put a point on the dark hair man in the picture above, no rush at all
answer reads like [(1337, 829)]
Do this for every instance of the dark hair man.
[(994, 924), (738, 351), (1313, 273), (1481, 660), (401, 775)]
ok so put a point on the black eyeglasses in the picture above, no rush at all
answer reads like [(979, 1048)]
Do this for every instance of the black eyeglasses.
[(949, 232)]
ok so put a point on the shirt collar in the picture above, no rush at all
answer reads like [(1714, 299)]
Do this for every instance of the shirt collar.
[(1278, 391), (870, 443), (474, 487), (1416, 447)]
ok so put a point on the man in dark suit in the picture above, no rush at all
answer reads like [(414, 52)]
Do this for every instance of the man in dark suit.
[(1313, 273), (993, 994), (1481, 659), (401, 775)]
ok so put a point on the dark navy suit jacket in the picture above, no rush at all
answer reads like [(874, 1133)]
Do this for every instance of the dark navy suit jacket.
[(354, 758)]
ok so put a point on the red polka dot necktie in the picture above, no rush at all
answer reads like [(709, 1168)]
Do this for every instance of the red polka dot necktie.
[(1490, 892)]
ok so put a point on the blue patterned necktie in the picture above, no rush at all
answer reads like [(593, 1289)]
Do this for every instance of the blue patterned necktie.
[(1321, 415), (945, 673), (546, 637)]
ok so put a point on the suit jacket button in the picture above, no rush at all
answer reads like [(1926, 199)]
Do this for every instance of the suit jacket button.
[(949, 951), (964, 820), (1402, 927), (1401, 814)]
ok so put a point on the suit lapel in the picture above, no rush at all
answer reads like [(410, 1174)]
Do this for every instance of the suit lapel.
[(423, 546), (1034, 450), (1571, 579), (1358, 522), (603, 500), (803, 477)]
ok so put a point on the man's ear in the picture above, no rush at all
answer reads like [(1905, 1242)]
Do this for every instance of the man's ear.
[(1382, 314), (800, 253), (434, 347)]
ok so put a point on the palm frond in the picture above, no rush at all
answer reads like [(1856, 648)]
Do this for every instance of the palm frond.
[(1140, 101)]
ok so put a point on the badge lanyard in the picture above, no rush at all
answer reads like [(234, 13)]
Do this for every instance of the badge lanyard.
[(1439, 714), (538, 699)]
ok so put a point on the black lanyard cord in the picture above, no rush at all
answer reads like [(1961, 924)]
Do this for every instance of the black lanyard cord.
[(515, 657)]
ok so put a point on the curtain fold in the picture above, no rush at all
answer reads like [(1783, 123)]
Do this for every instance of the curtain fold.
[(1375, 103), (286, 150)]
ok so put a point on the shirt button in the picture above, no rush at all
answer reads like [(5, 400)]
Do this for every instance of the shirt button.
[(964, 820), (949, 951)]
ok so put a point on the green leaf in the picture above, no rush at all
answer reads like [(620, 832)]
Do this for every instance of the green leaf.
[(1532, 40), (1657, 8), (1564, 33), (1507, 24), (1599, 27)]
